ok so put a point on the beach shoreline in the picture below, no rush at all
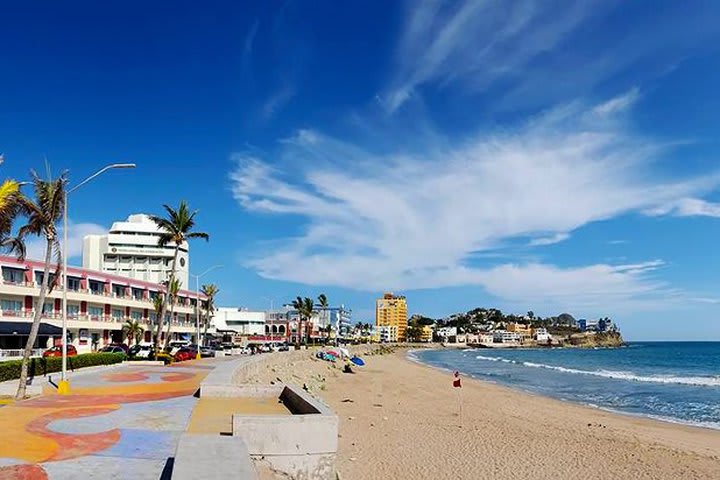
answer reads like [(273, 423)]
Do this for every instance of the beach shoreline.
[(400, 418)]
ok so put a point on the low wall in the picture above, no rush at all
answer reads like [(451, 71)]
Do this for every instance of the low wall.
[(302, 445)]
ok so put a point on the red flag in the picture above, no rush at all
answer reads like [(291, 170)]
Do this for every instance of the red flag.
[(456, 380)]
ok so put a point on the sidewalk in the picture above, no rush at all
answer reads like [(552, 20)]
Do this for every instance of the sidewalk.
[(119, 422)]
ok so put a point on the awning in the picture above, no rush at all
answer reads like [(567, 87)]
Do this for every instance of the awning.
[(23, 328)]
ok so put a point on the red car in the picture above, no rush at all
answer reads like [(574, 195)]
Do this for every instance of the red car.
[(56, 351), (185, 354)]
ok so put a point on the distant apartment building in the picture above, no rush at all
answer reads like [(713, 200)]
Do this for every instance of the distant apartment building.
[(427, 334), (504, 336), (130, 249), (521, 329), (600, 325), (238, 321), (99, 304), (541, 335), (391, 311), (387, 333)]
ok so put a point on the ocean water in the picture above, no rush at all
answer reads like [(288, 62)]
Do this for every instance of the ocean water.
[(671, 381)]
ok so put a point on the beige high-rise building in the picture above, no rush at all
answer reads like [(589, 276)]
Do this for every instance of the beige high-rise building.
[(391, 310)]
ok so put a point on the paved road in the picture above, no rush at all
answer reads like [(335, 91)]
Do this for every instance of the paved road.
[(121, 422)]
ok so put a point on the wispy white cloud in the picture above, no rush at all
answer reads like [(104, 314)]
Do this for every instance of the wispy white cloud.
[(617, 242), (557, 238), (515, 47), (76, 233), (408, 220), (277, 101), (248, 45), (687, 207), (618, 104)]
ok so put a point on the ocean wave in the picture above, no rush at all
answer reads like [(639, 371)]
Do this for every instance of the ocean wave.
[(629, 376)]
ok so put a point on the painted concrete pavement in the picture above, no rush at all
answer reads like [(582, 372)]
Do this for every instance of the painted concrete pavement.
[(121, 422)]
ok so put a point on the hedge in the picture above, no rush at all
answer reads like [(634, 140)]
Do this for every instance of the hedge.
[(10, 370)]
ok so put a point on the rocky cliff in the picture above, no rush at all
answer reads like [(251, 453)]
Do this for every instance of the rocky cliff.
[(591, 340)]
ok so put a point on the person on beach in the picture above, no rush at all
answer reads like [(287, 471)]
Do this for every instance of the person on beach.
[(456, 380)]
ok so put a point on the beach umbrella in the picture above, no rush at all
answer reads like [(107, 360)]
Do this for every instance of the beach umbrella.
[(358, 361)]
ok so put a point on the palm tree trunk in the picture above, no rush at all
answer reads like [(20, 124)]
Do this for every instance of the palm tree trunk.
[(161, 319), (36, 322), (172, 314)]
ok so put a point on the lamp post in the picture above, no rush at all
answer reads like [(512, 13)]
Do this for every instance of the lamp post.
[(197, 303), (64, 385)]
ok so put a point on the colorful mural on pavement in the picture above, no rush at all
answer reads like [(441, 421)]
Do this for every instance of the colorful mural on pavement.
[(104, 410)]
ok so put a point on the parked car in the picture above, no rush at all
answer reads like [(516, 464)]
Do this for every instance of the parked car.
[(145, 351), (185, 353), (284, 347), (207, 352), (113, 349), (132, 351), (56, 351), (245, 351)]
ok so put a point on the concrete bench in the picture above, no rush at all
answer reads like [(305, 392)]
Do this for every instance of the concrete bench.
[(211, 456)]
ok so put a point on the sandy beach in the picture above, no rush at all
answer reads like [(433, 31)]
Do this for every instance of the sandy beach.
[(400, 419)]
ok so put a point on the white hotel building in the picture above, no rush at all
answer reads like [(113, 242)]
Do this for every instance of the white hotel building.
[(131, 250)]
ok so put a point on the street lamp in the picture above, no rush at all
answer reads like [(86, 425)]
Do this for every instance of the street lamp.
[(197, 304), (64, 385)]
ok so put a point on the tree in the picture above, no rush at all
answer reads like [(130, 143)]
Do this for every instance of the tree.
[(414, 333), (10, 207), (304, 307), (177, 229), (43, 213), (323, 303), (134, 330), (210, 291), (172, 289)]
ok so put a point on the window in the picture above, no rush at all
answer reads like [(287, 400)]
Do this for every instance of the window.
[(97, 287), (39, 278), (119, 291), (110, 258), (48, 308), (135, 315), (73, 311), (153, 317), (137, 293), (73, 284), (117, 313), (95, 312), (11, 305), (13, 275)]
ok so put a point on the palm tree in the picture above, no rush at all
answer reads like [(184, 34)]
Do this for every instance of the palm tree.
[(173, 290), (10, 205), (177, 229), (157, 307), (323, 303), (210, 291), (134, 330), (42, 215), (304, 307), (308, 307)]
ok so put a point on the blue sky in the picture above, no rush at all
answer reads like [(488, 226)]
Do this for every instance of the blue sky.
[(553, 156)]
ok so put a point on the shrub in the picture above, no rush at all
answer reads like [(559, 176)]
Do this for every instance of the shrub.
[(10, 370)]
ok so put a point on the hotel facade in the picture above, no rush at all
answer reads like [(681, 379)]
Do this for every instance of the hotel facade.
[(391, 311), (130, 249), (99, 303)]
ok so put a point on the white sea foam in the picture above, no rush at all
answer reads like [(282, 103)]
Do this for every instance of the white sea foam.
[(666, 379)]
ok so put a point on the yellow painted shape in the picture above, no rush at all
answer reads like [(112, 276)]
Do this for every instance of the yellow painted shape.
[(214, 415), (17, 442)]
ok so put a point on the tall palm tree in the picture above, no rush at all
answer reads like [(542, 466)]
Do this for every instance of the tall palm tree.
[(43, 215), (210, 291), (323, 303), (173, 290), (308, 307), (134, 330), (177, 229), (304, 307)]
